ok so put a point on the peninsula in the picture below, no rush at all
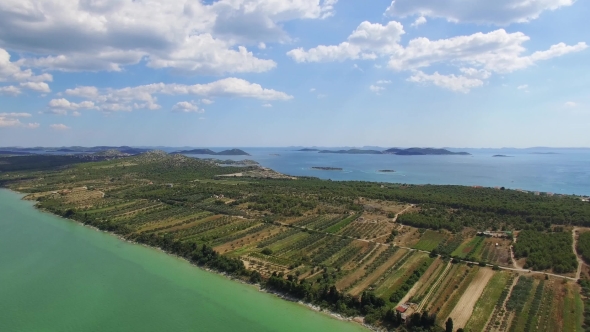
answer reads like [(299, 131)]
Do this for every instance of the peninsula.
[(360, 249)]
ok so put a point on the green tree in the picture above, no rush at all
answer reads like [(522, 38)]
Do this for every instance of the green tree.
[(449, 325)]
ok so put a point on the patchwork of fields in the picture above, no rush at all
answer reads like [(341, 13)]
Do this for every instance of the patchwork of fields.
[(319, 241)]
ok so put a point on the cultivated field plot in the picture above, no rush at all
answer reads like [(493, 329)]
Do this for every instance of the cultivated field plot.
[(469, 248), (430, 240)]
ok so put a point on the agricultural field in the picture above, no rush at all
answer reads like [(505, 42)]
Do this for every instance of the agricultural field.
[(430, 240), (356, 248)]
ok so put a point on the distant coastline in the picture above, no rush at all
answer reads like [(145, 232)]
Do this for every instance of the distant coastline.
[(394, 151)]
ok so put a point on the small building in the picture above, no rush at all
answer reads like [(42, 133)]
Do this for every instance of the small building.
[(402, 308)]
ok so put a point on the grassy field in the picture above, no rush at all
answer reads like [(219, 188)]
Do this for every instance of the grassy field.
[(469, 247), (429, 240)]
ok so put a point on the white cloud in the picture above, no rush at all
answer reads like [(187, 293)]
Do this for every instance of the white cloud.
[(312, 90), (522, 87), (383, 82), (16, 115), (83, 92), (59, 126), (496, 51), (455, 83), (9, 90), (203, 38), (144, 96), (76, 113), (570, 104), (262, 46), (207, 101), (12, 72), (476, 56), (267, 105), (36, 86), (12, 120), (64, 104), (187, 107), (499, 12), (419, 21), (376, 88), (367, 40)]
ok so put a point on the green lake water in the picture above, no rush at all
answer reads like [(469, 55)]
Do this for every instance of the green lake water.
[(58, 275)]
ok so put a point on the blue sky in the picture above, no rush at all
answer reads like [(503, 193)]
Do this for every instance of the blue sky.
[(459, 73)]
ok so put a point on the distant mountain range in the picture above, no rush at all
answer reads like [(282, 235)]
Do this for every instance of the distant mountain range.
[(232, 152), (396, 151)]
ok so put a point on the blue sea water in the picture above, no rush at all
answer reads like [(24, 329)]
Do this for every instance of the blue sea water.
[(566, 172)]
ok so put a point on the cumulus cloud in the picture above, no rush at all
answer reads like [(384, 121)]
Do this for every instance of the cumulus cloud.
[(476, 56), (64, 104), (12, 72), (268, 105), (13, 120), (10, 90), (570, 104), (368, 40), (376, 88), (198, 37), (457, 83), (383, 82), (59, 126), (419, 21), (499, 12), (187, 107), (36, 86), (145, 96), (522, 87)]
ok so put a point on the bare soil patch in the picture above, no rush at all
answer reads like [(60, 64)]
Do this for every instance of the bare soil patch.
[(464, 307)]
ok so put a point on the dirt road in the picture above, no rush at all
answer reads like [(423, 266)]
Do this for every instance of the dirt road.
[(580, 261)]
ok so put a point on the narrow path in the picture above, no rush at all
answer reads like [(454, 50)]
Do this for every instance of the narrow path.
[(580, 261), (368, 254), (434, 286), (401, 212)]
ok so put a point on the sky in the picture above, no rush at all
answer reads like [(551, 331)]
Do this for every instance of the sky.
[(249, 73)]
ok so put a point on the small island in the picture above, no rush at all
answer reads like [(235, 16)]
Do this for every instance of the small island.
[(327, 168), (352, 151), (386, 171), (308, 150), (501, 156)]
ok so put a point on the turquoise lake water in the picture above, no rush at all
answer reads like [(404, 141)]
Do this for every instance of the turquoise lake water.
[(58, 275)]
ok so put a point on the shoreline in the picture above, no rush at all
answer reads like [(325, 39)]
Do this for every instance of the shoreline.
[(279, 295)]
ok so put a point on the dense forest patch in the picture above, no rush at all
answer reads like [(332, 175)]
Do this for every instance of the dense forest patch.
[(545, 251)]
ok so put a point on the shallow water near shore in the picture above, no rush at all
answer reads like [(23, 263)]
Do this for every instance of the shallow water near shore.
[(58, 275)]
